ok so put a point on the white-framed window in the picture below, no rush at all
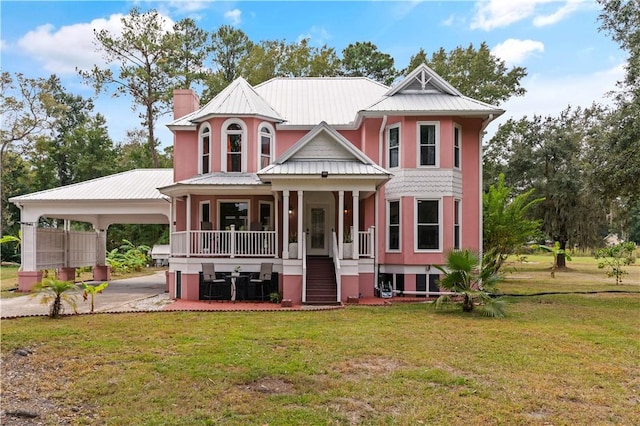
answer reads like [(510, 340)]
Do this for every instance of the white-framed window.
[(265, 210), (233, 212), (428, 143), (266, 135), (393, 146), (204, 149), (456, 224), (457, 146), (234, 145), (428, 236), (393, 225)]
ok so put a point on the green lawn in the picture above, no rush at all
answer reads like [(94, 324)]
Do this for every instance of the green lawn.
[(560, 359)]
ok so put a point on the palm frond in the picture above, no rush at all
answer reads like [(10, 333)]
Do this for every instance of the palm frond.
[(494, 308), (442, 302)]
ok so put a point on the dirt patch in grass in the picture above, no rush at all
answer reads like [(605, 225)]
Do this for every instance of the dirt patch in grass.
[(354, 410), (367, 367), (29, 388), (271, 385)]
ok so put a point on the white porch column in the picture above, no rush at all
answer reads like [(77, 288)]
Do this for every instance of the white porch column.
[(101, 246), (285, 224), (28, 246), (340, 233), (355, 237), (188, 201), (300, 218), (276, 226), (66, 225)]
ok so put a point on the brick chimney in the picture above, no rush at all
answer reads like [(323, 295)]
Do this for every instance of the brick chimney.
[(185, 101)]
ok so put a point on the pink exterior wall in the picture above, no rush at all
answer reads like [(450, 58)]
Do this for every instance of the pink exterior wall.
[(471, 184), (366, 284), (350, 287), (292, 288)]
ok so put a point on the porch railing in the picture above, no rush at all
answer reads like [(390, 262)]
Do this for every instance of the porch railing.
[(228, 243), (336, 263), (366, 242)]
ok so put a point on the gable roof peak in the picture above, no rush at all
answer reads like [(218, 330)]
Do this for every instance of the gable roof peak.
[(238, 98), (424, 76)]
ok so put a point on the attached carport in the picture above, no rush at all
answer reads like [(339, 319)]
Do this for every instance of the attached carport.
[(130, 197)]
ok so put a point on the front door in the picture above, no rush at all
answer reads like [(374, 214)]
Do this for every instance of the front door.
[(317, 229)]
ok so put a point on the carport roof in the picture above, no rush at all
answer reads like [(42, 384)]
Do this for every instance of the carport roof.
[(138, 184)]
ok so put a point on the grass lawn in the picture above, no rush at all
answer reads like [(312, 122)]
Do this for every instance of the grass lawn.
[(558, 359)]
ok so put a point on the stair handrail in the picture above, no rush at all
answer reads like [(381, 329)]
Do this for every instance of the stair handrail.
[(304, 266), (336, 263)]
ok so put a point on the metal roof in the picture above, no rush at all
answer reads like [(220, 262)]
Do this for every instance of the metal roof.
[(223, 178), (334, 168), (432, 103), (310, 100), (424, 92), (238, 98), (139, 184)]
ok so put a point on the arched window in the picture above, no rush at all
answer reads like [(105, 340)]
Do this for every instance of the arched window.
[(204, 150), (234, 146), (265, 149)]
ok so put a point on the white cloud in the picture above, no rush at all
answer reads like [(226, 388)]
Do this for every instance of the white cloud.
[(501, 13), (71, 46), (3, 45), (62, 50), (234, 16), (514, 51), (550, 96), (558, 15), (188, 6), (317, 35), (449, 21)]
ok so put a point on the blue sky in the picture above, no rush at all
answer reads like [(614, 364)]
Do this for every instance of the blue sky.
[(569, 62)]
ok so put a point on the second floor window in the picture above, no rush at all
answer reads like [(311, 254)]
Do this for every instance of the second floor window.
[(393, 147), (266, 139), (234, 147), (457, 141), (205, 150), (428, 144)]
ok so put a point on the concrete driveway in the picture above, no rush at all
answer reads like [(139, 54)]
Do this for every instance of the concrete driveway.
[(131, 294)]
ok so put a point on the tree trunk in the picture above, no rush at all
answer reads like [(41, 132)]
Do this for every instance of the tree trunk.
[(467, 304), (55, 307), (152, 139), (561, 259)]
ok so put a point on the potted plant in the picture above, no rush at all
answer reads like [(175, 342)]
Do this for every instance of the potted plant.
[(236, 271), (347, 246), (275, 297), (293, 245)]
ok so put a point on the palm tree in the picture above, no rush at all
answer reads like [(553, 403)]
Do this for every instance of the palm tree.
[(90, 291), (464, 275), (55, 292)]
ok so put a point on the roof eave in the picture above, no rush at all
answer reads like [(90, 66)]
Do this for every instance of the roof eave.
[(465, 113)]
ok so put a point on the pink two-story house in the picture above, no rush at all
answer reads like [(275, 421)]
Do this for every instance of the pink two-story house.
[(339, 182)]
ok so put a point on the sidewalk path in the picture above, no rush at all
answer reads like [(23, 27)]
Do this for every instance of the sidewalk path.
[(131, 294)]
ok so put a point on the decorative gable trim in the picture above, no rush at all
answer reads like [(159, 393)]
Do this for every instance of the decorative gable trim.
[(427, 81), (341, 143)]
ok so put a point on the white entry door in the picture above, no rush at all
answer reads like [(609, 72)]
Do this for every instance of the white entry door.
[(317, 225)]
